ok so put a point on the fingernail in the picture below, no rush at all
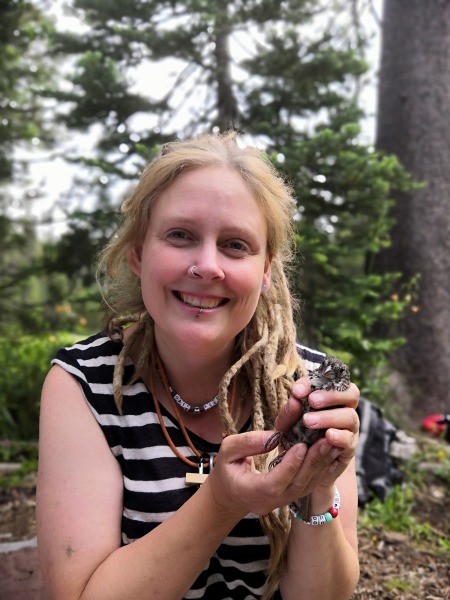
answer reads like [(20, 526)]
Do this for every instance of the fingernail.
[(300, 390), (311, 419), (317, 399), (300, 450), (333, 435)]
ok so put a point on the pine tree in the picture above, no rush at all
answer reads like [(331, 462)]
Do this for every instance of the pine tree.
[(23, 31), (285, 75), (413, 123)]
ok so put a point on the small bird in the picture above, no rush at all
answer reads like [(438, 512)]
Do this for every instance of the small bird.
[(331, 374)]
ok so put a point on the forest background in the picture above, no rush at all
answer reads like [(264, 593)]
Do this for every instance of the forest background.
[(89, 92), (97, 87)]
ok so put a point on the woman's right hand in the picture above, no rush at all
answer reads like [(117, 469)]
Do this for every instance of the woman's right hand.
[(239, 488)]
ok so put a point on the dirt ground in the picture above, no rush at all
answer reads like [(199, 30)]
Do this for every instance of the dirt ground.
[(393, 566)]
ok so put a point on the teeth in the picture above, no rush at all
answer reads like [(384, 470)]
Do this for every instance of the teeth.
[(200, 302)]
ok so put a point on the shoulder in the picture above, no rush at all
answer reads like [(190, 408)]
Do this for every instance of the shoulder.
[(91, 363), (92, 347), (92, 359)]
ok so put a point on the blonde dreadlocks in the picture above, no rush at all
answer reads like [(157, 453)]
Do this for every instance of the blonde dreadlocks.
[(265, 351)]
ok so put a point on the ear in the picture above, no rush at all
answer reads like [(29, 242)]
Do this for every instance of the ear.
[(134, 261), (267, 272)]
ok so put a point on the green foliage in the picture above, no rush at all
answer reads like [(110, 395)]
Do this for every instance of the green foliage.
[(19, 477), (22, 72), (17, 270), (344, 190), (428, 468), (399, 585), (302, 107), (394, 514), (48, 286), (18, 451), (436, 454), (25, 361)]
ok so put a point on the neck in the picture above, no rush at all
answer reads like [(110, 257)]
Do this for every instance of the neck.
[(195, 378)]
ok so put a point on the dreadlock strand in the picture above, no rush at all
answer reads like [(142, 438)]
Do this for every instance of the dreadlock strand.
[(258, 422), (147, 335), (224, 408), (269, 360), (119, 368), (118, 381)]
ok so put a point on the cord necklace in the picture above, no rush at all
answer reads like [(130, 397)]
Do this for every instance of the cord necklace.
[(164, 381)]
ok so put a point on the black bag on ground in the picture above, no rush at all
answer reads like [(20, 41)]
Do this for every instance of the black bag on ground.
[(376, 470)]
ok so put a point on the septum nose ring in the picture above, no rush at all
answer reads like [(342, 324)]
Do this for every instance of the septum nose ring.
[(193, 272)]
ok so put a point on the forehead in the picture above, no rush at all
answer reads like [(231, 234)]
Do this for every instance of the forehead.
[(220, 180), (220, 191)]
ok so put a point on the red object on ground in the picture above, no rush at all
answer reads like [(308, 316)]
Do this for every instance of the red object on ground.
[(434, 424)]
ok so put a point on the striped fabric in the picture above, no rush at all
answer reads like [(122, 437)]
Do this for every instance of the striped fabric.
[(154, 478)]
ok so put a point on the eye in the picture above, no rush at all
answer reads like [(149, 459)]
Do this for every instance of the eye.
[(178, 236), (237, 247)]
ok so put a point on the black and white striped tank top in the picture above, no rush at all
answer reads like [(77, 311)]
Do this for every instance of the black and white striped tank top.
[(154, 477)]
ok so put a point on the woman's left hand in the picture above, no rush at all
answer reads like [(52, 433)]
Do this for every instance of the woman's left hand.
[(340, 422), (237, 486)]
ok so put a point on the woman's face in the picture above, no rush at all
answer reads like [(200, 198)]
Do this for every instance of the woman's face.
[(208, 218)]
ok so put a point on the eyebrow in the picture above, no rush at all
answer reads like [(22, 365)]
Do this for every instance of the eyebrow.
[(183, 220)]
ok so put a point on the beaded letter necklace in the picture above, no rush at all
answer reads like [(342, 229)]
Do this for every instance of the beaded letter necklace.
[(179, 400), (188, 407), (191, 478)]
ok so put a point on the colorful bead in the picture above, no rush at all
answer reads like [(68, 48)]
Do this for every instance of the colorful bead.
[(327, 517)]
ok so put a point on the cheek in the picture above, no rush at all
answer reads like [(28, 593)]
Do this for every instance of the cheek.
[(158, 266), (248, 286)]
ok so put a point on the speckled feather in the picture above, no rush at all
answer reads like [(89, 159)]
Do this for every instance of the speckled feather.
[(331, 374)]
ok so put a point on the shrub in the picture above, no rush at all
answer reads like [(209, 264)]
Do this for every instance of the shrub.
[(25, 361)]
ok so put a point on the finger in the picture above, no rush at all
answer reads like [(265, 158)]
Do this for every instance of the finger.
[(338, 418), (301, 388), (317, 468), (326, 399), (292, 410), (284, 474), (289, 414), (327, 462), (242, 445), (342, 439)]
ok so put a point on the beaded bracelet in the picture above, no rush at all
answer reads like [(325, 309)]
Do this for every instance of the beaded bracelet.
[(327, 517)]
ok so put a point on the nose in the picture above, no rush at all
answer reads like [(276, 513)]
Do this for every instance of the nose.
[(208, 263)]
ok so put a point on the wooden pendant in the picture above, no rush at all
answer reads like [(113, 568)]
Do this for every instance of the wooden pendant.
[(195, 478)]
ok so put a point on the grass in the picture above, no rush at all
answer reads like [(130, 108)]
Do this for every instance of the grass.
[(23, 453), (427, 470), (394, 514), (399, 585)]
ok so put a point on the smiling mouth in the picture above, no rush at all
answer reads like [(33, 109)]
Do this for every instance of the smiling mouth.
[(197, 302)]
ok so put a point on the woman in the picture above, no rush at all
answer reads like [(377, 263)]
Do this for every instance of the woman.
[(195, 370)]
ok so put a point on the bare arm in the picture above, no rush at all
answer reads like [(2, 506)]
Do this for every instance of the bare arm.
[(326, 553), (322, 561), (79, 507)]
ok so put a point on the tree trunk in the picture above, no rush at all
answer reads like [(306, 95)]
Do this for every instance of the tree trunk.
[(414, 124), (227, 108)]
